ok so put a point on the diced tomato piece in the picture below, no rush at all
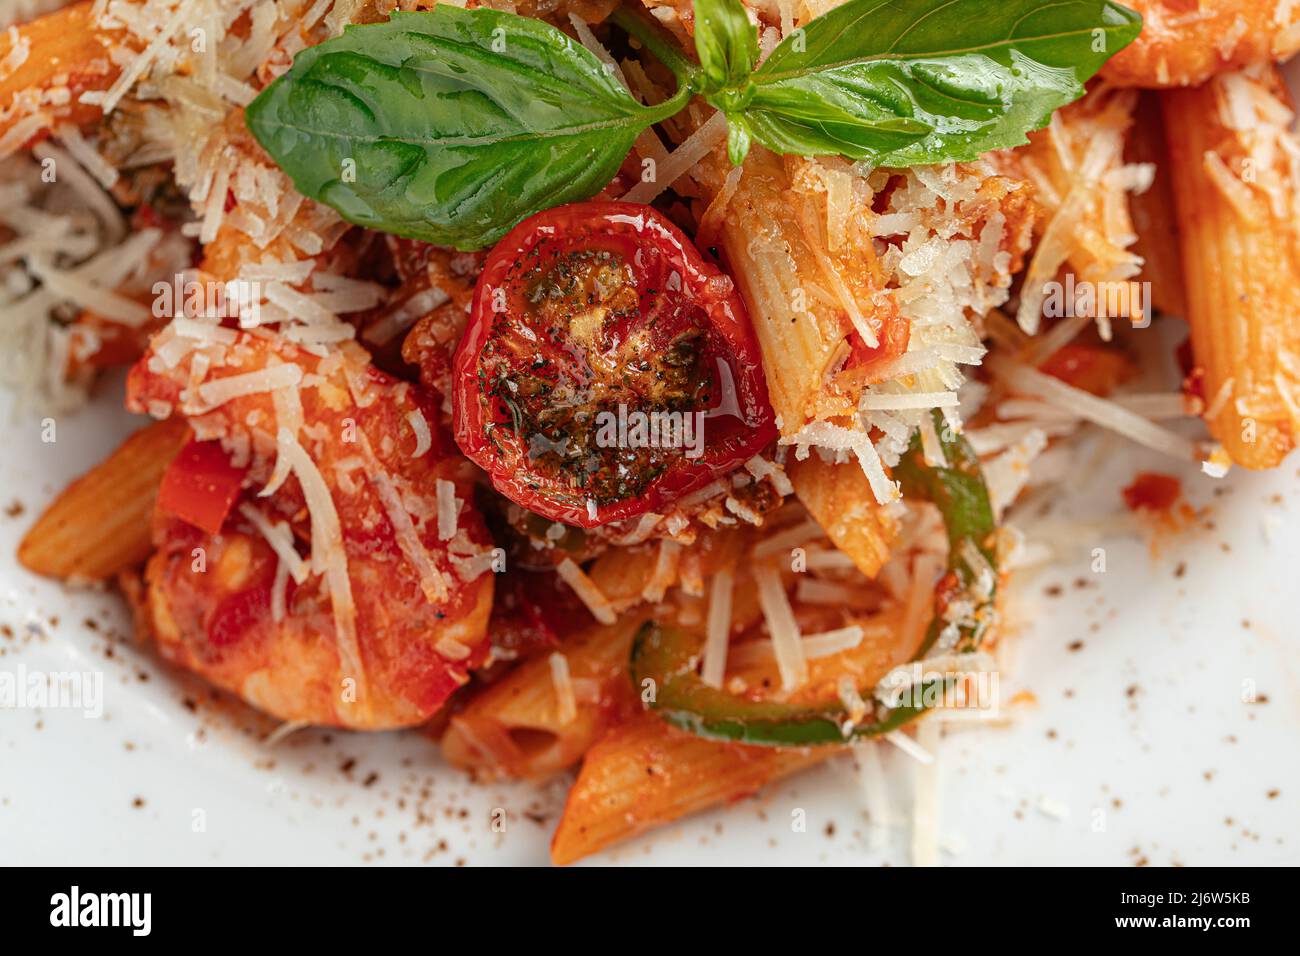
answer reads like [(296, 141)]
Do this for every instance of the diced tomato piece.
[(201, 486), (893, 334), (1153, 491), (1092, 368)]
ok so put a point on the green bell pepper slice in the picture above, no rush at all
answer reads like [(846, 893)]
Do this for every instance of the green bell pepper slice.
[(664, 659)]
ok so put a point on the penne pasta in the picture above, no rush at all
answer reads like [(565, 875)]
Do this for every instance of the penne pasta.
[(1152, 210), (1186, 44), (518, 726), (839, 497), (1235, 191), (772, 263), (99, 525), (1081, 180), (66, 55), (644, 573), (645, 773)]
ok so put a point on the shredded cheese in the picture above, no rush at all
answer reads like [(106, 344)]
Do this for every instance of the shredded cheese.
[(448, 509), (587, 592), (1099, 411), (219, 391), (423, 437), (432, 581), (665, 571), (925, 809), (813, 647), (566, 701), (330, 557), (718, 629), (782, 627), (280, 537), (681, 160)]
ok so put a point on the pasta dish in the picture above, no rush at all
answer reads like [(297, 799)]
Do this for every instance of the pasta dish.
[(645, 391)]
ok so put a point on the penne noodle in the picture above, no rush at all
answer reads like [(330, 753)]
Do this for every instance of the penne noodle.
[(645, 773), (839, 497), (1186, 44), (1152, 210), (99, 525), (774, 265), (1081, 180), (1235, 191), (766, 253), (65, 50), (520, 727), (627, 576)]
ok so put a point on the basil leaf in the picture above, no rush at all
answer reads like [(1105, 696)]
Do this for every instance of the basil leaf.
[(725, 41), (449, 125), (930, 81)]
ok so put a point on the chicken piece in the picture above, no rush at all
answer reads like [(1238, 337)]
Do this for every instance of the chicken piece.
[(347, 596)]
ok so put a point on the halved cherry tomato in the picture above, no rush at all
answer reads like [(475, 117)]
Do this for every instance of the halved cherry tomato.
[(596, 330), (200, 486)]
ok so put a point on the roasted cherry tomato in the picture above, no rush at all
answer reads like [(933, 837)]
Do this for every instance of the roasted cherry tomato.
[(200, 486), (607, 369)]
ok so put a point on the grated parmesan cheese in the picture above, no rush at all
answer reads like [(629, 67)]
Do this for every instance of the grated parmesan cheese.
[(782, 628), (423, 437), (329, 557), (566, 700), (1097, 410), (448, 509), (681, 160), (587, 592), (432, 581), (217, 392), (718, 629), (926, 804), (813, 647)]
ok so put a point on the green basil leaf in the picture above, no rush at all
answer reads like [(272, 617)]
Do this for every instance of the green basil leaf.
[(449, 125), (929, 81), (725, 41), (738, 139)]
